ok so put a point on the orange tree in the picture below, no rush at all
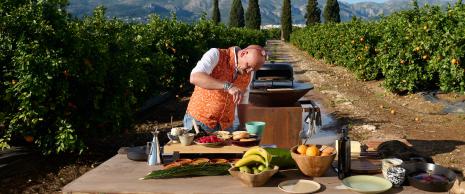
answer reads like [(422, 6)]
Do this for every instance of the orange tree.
[(411, 50), (65, 80)]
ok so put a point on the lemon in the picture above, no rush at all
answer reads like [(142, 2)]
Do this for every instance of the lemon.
[(302, 149), (312, 151)]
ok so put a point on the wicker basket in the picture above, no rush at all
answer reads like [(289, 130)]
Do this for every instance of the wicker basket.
[(314, 166)]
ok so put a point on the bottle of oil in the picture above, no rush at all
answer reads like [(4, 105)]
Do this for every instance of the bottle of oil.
[(343, 155)]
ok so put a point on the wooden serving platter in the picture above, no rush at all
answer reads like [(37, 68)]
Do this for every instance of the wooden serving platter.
[(200, 149)]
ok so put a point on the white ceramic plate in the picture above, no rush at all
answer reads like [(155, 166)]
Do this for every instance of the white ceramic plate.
[(367, 184), (216, 144), (299, 186)]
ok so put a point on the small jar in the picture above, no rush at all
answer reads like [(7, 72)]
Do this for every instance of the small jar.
[(396, 175), (186, 139)]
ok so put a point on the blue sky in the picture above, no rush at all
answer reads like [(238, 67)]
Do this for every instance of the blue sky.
[(356, 1)]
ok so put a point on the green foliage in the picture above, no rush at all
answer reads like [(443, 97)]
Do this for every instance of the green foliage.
[(65, 81), (216, 16), (331, 12), (272, 33), (412, 50), (252, 16), (34, 35), (286, 20), (312, 16), (236, 15)]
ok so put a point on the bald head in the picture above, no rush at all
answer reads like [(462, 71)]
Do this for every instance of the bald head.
[(251, 58)]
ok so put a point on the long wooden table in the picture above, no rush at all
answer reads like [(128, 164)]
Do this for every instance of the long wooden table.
[(121, 175)]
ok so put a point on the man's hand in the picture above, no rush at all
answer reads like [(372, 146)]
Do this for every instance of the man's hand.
[(236, 93)]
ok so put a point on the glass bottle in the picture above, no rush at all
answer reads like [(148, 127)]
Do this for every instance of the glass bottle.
[(343, 155)]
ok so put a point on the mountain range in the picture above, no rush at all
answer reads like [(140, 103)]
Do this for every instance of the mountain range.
[(191, 10)]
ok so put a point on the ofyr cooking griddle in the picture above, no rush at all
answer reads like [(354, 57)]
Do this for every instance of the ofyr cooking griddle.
[(273, 85)]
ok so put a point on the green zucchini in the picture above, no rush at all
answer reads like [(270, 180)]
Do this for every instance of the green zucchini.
[(282, 158), (190, 170)]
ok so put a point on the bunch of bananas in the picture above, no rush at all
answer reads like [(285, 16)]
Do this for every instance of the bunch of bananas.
[(255, 160)]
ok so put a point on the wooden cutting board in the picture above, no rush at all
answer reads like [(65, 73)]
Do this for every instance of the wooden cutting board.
[(365, 166), (200, 149)]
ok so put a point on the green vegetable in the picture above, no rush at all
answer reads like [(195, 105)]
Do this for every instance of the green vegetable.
[(190, 170), (281, 157), (245, 169), (261, 168), (255, 170)]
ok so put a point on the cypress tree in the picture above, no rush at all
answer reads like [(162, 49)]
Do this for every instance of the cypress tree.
[(313, 12), (331, 12), (216, 16), (286, 21), (253, 18), (415, 4), (236, 16)]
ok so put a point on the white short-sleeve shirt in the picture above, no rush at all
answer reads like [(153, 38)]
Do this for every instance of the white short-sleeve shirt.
[(208, 62)]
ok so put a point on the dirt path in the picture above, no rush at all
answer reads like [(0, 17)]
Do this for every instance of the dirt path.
[(356, 103)]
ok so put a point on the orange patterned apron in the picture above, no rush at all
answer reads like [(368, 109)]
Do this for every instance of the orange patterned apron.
[(213, 107)]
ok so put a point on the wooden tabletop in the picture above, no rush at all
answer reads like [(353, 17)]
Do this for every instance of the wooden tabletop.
[(194, 148), (121, 175)]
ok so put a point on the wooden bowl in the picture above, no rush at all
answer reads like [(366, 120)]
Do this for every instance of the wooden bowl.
[(314, 166), (253, 180)]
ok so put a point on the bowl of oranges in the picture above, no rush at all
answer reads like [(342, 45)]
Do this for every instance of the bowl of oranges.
[(313, 160)]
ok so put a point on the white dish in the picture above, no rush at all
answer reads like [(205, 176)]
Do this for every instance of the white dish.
[(216, 144), (238, 132), (367, 184), (299, 186)]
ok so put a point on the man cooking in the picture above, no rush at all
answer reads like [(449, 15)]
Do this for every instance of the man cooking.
[(221, 78)]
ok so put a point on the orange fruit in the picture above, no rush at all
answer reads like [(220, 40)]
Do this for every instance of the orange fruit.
[(28, 138), (312, 151), (325, 154), (302, 149), (328, 150)]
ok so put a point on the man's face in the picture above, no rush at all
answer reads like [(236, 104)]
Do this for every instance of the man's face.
[(251, 60)]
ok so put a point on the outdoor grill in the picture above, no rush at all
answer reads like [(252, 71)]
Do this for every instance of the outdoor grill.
[(273, 85), (274, 98)]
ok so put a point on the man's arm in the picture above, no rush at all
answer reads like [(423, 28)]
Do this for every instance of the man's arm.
[(200, 75), (206, 81)]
